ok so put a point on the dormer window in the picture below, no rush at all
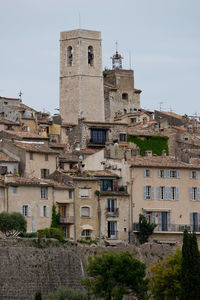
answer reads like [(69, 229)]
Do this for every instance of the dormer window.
[(69, 56), (90, 56)]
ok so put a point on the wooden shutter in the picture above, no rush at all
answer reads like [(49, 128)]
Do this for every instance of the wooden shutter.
[(160, 221), (47, 211), (29, 211), (168, 221), (190, 174), (144, 192), (150, 173), (191, 194), (158, 193), (158, 172), (191, 221), (152, 193), (154, 217), (177, 193), (41, 211), (178, 174), (198, 192)]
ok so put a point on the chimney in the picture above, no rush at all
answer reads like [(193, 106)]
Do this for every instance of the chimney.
[(148, 153), (164, 152)]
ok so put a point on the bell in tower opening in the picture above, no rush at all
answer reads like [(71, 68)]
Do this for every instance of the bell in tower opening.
[(116, 60)]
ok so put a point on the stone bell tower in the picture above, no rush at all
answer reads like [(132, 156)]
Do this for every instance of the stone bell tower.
[(81, 80)]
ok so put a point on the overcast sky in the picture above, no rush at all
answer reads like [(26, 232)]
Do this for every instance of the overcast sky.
[(163, 37)]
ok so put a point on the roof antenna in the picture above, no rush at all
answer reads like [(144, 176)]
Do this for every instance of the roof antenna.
[(79, 20), (20, 95), (130, 60)]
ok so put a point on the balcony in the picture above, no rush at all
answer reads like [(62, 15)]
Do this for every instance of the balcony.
[(171, 228), (67, 220), (112, 212), (115, 190)]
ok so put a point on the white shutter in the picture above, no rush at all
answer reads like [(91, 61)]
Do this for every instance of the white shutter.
[(198, 192), (144, 192), (191, 194), (152, 193), (41, 211), (47, 211), (177, 193), (158, 193), (29, 211)]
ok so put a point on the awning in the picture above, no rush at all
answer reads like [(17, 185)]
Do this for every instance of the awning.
[(157, 209), (87, 227)]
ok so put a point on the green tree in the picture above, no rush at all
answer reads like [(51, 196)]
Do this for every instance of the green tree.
[(38, 296), (55, 217), (11, 224), (190, 267), (113, 275), (145, 229), (165, 282)]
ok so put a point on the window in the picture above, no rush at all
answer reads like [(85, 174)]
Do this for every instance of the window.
[(106, 185), (44, 193), (173, 174), (70, 194), (148, 192), (194, 175), (31, 155), (69, 56), (44, 211), (164, 221), (85, 211), (98, 136), (160, 192), (150, 216), (195, 221), (133, 120), (46, 157), (195, 194), (111, 206), (44, 173), (85, 233), (63, 211), (14, 190), (147, 173), (161, 173), (122, 137), (112, 229), (84, 192), (171, 193), (25, 210), (124, 96), (90, 56)]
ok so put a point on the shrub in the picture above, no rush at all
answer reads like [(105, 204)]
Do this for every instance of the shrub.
[(38, 296), (66, 293), (145, 229), (11, 224), (30, 234), (54, 233)]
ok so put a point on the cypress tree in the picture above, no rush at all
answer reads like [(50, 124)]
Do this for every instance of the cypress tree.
[(190, 267)]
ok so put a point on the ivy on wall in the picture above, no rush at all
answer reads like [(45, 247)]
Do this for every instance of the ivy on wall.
[(154, 143)]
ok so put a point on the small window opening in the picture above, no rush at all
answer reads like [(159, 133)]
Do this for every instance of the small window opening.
[(69, 56), (125, 96), (90, 56)]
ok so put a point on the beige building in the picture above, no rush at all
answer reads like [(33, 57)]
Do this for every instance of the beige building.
[(81, 79), (34, 199), (167, 192)]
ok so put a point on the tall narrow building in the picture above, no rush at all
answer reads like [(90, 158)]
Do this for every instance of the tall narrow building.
[(81, 80)]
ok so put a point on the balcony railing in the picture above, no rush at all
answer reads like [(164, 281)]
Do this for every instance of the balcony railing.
[(115, 189), (171, 228), (113, 235), (67, 220), (112, 212)]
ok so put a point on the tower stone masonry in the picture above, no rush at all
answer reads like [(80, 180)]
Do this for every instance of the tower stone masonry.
[(81, 80)]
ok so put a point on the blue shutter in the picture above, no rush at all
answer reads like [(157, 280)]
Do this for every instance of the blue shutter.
[(158, 172), (152, 193), (144, 173), (198, 222), (154, 217), (144, 192), (198, 191), (197, 175), (158, 193), (168, 173), (166, 193), (160, 221), (168, 221), (178, 174), (190, 174), (191, 221), (191, 194), (177, 193), (150, 173), (170, 193), (165, 173)]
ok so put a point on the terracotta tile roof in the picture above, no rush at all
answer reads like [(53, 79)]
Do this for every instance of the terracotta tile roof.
[(17, 180), (5, 98), (102, 173), (8, 122), (86, 150), (68, 157), (161, 162), (179, 128), (171, 114), (30, 147), (56, 145), (24, 134), (5, 158)]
